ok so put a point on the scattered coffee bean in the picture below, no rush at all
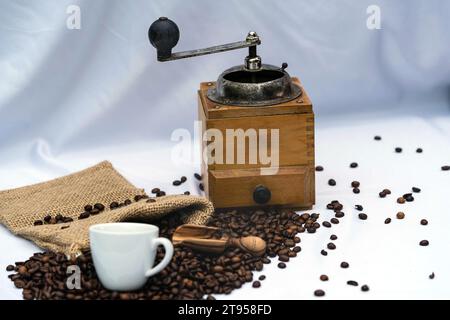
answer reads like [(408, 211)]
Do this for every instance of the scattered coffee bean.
[(334, 221), (365, 288), (362, 216), (183, 179), (331, 182), (99, 207), (408, 197), (10, 268), (333, 237), (339, 214), (155, 190), (326, 224), (161, 194), (398, 150), (94, 212), (324, 277), (355, 184), (201, 187), (416, 190), (353, 165), (419, 150), (38, 223), (377, 138), (282, 265), (387, 191), (88, 208), (319, 293), (382, 194), (198, 176), (319, 168), (187, 193), (445, 168), (256, 284), (352, 283), (150, 200), (84, 215), (431, 276), (424, 243), (324, 253), (400, 215), (331, 246), (114, 205), (283, 258), (297, 249), (344, 265), (128, 201), (424, 222), (401, 200), (356, 190), (359, 207), (262, 278), (176, 182), (387, 221), (47, 218)]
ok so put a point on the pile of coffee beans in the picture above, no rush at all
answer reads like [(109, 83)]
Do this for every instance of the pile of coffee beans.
[(190, 275)]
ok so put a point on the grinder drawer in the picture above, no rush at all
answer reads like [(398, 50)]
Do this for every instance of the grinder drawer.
[(291, 187)]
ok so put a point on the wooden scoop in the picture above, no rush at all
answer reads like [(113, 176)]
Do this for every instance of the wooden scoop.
[(208, 239)]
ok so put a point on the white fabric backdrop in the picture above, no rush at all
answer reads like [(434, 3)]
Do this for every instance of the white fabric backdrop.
[(71, 98)]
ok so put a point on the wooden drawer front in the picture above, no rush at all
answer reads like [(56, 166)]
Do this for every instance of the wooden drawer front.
[(291, 187)]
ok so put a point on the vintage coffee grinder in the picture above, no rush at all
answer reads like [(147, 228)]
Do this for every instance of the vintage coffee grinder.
[(258, 106)]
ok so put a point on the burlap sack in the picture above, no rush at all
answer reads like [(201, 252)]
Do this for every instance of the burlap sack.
[(19, 208)]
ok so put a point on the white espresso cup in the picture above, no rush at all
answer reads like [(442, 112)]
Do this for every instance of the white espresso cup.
[(124, 254)]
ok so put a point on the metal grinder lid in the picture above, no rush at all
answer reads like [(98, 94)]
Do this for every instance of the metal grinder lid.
[(265, 86)]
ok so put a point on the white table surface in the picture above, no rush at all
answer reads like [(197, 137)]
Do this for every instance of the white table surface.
[(386, 257)]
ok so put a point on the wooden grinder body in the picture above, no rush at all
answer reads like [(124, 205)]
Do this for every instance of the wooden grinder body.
[(233, 185)]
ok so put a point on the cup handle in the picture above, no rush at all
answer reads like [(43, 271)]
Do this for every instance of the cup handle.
[(167, 257)]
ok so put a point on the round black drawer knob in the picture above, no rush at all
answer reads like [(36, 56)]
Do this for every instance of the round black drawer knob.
[(261, 195)]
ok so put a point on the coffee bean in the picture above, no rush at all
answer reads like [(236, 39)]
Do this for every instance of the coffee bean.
[(201, 187), (262, 278), (356, 191), (377, 138), (431, 276), (283, 258), (99, 206), (387, 191), (155, 190), (331, 246), (331, 182), (315, 216), (38, 223), (176, 182), (10, 268), (424, 222), (362, 216), (353, 165), (94, 212), (127, 202), (282, 265), (339, 214), (161, 194), (22, 270), (297, 249), (113, 205), (319, 168), (256, 284), (359, 207), (409, 198), (311, 230), (324, 253), (333, 237), (419, 150), (355, 184), (344, 265), (334, 221), (150, 200), (445, 168), (401, 200), (424, 243), (400, 215), (137, 198), (352, 283), (382, 194), (387, 221), (324, 277), (88, 208), (198, 176), (319, 293), (365, 288), (416, 190), (398, 150), (183, 179), (326, 224), (47, 218), (84, 215)]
